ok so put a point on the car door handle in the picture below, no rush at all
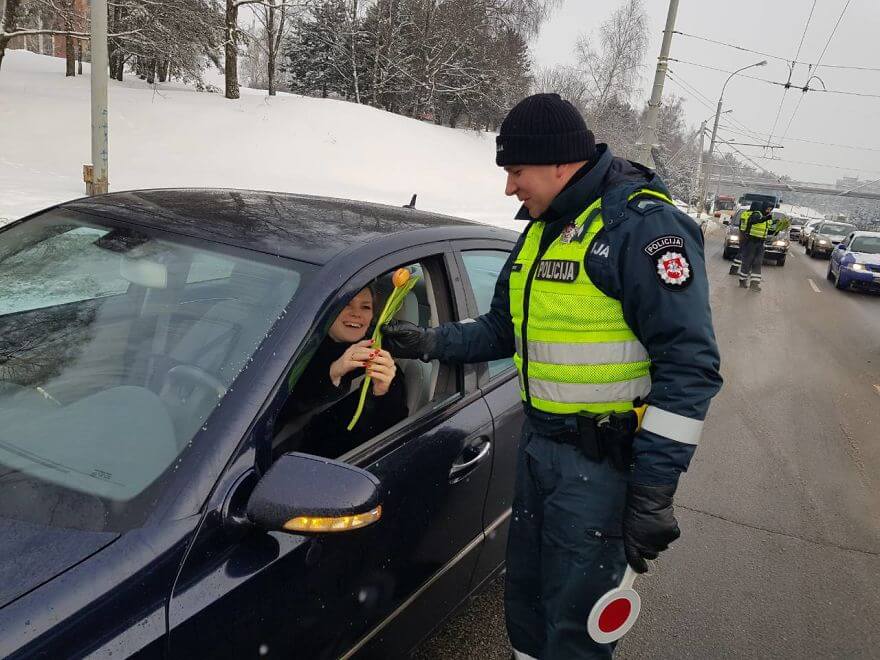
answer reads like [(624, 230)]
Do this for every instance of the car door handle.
[(470, 458)]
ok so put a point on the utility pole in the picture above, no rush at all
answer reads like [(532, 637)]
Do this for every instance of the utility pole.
[(650, 136), (97, 178), (699, 167)]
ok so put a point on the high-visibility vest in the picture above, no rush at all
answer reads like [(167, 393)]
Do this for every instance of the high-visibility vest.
[(744, 219), (575, 352), (759, 228)]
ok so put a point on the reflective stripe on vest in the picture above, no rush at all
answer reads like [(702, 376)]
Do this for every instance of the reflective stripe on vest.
[(598, 353), (574, 351), (744, 220), (758, 229)]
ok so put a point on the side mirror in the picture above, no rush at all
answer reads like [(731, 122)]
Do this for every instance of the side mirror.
[(307, 494), (841, 246), (726, 221)]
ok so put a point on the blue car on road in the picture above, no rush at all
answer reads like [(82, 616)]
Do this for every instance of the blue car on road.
[(855, 263)]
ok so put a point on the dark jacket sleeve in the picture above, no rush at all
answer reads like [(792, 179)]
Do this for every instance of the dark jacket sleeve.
[(674, 323), (488, 337)]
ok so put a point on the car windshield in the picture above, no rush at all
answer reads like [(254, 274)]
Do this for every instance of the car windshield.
[(836, 229), (866, 244), (115, 346)]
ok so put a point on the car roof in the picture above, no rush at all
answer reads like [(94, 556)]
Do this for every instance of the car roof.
[(863, 232), (304, 227)]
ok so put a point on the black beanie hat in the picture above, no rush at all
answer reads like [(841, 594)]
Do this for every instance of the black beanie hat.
[(543, 129)]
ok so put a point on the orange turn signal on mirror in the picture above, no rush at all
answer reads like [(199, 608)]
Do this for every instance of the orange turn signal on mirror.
[(333, 524)]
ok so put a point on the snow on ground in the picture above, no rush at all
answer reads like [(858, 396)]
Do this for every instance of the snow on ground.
[(171, 136)]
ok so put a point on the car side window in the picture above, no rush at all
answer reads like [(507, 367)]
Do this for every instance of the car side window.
[(483, 268), (325, 388)]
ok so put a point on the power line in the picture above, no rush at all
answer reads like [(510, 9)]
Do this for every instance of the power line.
[(704, 100), (804, 140), (806, 88), (831, 36), (729, 45), (790, 71), (816, 68), (774, 56), (804, 35), (824, 165)]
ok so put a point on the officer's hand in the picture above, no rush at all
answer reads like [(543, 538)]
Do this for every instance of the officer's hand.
[(649, 525), (408, 340)]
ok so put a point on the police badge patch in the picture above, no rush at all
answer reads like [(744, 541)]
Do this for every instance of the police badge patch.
[(670, 259)]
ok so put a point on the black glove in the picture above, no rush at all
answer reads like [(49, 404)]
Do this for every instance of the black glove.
[(408, 340), (649, 525)]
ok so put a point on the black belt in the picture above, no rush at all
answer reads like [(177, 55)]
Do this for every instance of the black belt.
[(607, 436)]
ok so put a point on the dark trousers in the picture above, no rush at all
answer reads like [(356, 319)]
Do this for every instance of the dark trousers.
[(752, 254), (737, 260), (564, 550)]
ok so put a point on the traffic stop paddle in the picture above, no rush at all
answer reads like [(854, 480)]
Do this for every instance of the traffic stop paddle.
[(615, 613)]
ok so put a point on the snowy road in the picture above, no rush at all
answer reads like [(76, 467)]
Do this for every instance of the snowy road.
[(780, 554)]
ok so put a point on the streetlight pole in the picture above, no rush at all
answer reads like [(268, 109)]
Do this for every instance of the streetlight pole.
[(650, 136), (699, 178), (100, 65), (705, 184)]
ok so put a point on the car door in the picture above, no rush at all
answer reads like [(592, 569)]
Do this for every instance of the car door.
[(480, 263), (373, 592), (838, 253)]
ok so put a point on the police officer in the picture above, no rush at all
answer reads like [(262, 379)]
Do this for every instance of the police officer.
[(604, 305), (751, 249), (754, 211)]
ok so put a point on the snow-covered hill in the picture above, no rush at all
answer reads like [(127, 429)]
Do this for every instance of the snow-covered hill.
[(175, 136)]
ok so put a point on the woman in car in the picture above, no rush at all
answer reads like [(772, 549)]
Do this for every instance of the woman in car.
[(325, 396)]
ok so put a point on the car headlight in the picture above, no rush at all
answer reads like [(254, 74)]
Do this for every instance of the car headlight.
[(734, 238), (779, 243), (822, 241), (857, 267)]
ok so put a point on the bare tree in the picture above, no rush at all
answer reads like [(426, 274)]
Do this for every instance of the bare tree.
[(612, 66), (17, 14), (567, 81)]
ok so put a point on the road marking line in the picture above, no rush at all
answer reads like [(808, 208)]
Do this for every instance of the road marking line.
[(813, 284)]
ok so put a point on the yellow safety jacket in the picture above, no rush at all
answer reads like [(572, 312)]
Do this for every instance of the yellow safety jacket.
[(575, 352), (758, 228)]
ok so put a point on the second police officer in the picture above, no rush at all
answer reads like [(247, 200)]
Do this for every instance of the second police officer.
[(604, 306), (754, 227)]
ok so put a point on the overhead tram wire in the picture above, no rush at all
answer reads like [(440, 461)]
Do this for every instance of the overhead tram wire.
[(776, 57), (812, 70), (805, 88), (700, 97), (825, 165), (790, 71), (745, 131)]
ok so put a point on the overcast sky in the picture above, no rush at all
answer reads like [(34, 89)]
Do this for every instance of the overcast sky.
[(774, 27)]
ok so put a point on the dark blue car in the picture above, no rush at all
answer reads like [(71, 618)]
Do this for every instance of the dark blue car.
[(151, 501), (855, 263)]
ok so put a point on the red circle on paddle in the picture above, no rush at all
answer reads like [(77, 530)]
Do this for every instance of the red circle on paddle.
[(615, 614)]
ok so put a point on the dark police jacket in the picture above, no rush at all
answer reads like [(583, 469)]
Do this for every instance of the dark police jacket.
[(672, 320)]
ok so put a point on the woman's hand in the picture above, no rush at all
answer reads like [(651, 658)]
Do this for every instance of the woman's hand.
[(382, 370), (356, 356)]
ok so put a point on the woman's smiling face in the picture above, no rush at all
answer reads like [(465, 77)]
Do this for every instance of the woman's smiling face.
[(352, 323)]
